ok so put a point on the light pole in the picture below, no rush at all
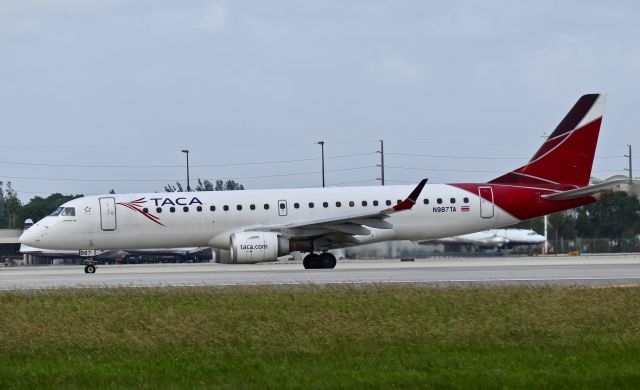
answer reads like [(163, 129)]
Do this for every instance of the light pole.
[(381, 165), (321, 143), (185, 151), (630, 169)]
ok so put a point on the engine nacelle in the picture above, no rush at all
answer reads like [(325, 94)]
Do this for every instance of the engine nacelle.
[(254, 247)]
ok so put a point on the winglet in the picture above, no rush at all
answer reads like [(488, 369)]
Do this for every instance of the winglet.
[(413, 197)]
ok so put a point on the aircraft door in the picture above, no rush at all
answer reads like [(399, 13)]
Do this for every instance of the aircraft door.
[(282, 208), (486, 202), (108, 213)]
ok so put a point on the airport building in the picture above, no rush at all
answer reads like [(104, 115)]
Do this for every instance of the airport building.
[(9, 244)]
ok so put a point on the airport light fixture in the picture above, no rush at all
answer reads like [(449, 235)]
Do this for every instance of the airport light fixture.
[(321, 143), (186, 151)]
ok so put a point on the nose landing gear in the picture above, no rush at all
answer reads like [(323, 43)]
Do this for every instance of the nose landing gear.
[(90, 267), (324, 260)]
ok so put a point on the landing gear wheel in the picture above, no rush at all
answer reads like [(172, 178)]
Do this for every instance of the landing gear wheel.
[(327, 260), (89, 269), (311, 261)]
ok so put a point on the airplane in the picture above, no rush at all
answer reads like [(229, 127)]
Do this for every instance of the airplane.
[(494, 238), (260, 225)]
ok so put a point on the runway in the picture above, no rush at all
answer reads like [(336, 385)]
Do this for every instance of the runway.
[(584, 270)]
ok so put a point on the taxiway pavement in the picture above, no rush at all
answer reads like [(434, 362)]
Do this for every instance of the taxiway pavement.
[(583, 270)]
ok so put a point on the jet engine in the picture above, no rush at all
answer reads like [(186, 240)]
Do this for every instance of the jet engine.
[(254, 247)]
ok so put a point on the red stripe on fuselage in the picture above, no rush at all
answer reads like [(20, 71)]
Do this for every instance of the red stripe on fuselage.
[(149, 216)]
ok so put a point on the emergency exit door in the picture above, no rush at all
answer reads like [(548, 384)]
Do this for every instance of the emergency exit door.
[(108, 213), (282, 208), (486, 202)]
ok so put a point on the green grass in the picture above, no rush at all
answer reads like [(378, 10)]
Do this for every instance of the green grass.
[(321, 337)]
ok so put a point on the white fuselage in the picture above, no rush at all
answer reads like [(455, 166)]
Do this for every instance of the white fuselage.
[(201, 218), (497, 238)]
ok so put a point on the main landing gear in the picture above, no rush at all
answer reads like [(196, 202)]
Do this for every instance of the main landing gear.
[(323, 260), (90, 267)]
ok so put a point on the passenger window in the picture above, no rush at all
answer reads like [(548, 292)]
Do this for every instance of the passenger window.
[(439, 200), (425, 201), (185, 209), (199, 208), (266, 206), (225, 207), (338, 204), (452, 200), (145, 210), (465, 200), (212, 208), (239, 207), (364, 203), (252, 207), (158, 210), (399, 201), (282, 206), (310, 205), (388, 202), (296, 205), (375, 202), (172, 209), (325, 204), (69, 212), (351, 203)]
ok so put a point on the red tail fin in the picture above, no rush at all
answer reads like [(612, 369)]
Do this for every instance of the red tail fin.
[(566, 157)]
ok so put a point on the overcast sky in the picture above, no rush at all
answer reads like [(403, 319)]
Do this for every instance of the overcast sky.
[(131, 83)]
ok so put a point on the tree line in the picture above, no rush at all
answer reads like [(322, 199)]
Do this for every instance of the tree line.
[(615, 217)]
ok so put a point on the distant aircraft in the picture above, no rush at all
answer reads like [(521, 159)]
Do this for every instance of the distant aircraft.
[(495, 238), (260, 225)]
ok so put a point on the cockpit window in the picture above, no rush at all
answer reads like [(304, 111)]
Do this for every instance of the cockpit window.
[(69, 212), (56, 212)]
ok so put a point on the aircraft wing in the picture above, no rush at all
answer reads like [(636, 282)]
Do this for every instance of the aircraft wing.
[(350, 225), (586, 191)]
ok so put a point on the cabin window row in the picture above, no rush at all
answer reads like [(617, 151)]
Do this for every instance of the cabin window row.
[(211, 208), (296, 205), (451, 200), (351, 203)]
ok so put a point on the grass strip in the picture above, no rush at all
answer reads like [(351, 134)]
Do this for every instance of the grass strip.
[(321, 337)]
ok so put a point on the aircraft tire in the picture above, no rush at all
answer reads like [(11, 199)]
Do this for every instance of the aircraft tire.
[(327, 260), (90, 269), (311, 261)]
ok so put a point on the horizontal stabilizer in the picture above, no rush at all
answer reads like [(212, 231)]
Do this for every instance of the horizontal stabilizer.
[(586, 191)]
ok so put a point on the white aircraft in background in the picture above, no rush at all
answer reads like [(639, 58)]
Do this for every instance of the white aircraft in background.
[(495, 238), (260, 225)]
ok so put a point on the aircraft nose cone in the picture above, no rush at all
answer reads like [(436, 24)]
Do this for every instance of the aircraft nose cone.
[(29, 237)]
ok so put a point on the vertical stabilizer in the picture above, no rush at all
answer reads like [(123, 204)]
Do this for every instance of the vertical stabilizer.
[(566, 157)]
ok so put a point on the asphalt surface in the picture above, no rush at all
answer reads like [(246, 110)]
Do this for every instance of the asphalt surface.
[(583, 270)]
